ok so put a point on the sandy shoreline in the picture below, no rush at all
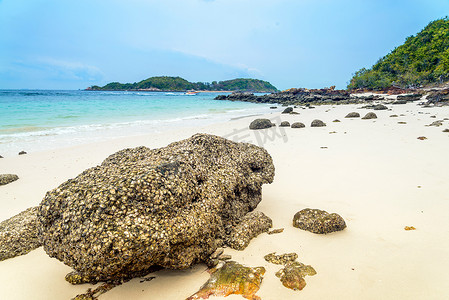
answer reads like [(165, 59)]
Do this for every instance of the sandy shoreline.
[(375, 173)]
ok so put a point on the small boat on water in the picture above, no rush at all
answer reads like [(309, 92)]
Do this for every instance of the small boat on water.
[(191, 93)]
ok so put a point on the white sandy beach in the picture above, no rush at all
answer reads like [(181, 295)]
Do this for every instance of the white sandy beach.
[(375, 173)]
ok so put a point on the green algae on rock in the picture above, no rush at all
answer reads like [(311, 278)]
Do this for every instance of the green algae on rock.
[(281, 259), (170, 207), (7, 178), (318, 221), (232, 278), (292, 275), (19, 234)]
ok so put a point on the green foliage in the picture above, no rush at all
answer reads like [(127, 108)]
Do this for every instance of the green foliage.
[(422, 59), (166, 83)]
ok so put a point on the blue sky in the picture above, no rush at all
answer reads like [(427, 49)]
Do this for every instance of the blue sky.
[(49, 44)]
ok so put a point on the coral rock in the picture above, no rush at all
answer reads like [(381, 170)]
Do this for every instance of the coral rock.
[(19, 234), (253, 224), (281, 259), (7, 178), (318, 221)]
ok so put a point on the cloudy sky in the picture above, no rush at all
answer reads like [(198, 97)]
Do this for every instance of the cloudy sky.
[(55, 44)]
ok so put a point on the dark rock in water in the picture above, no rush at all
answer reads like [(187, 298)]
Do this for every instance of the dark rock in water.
[(285, 124), (251, 225), (318, 221), (281, 259), (298, 125), (287, 110), (19, 234), (22, 153), (408, 97), (260, 124), (232, 278), (353, 115), (292, 275), (370, 115), (169, 207), (7, 178), (273, 107), (317, 123)]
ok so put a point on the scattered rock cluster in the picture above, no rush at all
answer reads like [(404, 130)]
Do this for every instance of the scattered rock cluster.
[(169, 207)]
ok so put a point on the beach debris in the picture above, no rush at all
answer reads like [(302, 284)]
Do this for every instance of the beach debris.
[(260, 124), (336, 121), (22, 153), (298, 125), (97, 292), (232, 278), (225, 257), (317, 123), (422, 138), (285, 124), (250, 226), (402, 122), (318, 221), (394, 116), (353, 115), (281, 259), (276, 231), (409, 228), (332, 132), (288, 110), (217, 253), (19, 234), (292, 275), (170, 207), (8, 178), (370, 115), (323, 147)]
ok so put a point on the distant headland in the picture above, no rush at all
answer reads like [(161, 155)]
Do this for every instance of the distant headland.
[(178, 84)]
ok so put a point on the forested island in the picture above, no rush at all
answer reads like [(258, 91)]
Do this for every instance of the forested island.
[(422, 60), (178, 84)]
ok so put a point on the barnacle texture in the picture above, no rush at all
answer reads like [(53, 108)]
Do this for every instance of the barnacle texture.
[(143, 207), (18, 234), (318, 221)]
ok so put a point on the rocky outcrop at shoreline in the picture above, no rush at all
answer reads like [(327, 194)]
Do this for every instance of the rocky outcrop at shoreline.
[(170, 207), (292, 96)]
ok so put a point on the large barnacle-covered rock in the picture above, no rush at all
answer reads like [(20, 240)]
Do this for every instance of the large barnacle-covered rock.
[(143, 207)]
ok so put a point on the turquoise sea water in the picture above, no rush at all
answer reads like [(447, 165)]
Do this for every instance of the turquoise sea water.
[(41, 120)]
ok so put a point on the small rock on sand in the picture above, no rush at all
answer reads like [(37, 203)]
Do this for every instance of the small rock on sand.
[(318, 221), (260, 124), (298, 125), (317, 123), (370, 115), (353, 115)]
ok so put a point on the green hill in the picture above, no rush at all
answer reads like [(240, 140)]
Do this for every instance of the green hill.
[(421, 60), (167, 83)]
